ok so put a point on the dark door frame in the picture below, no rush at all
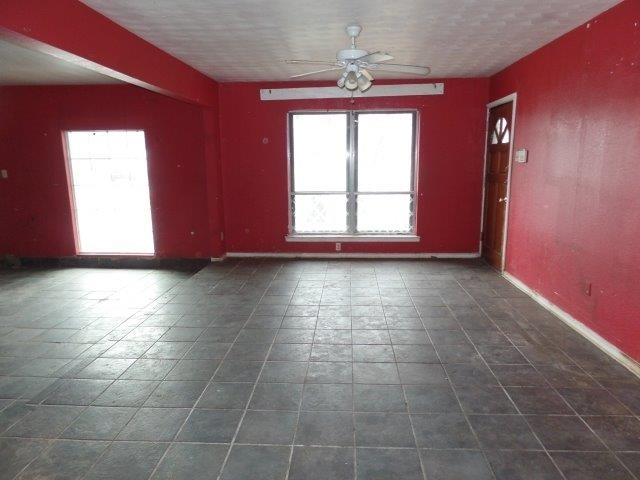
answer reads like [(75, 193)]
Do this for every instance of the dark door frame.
[(513, 97)]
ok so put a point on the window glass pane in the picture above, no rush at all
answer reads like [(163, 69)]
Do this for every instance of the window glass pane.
[(384, 213), (505, 137), (385, 157), (320, 213), (320, 152)]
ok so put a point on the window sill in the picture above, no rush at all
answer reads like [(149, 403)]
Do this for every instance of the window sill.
[(114, 255), (353, 238)]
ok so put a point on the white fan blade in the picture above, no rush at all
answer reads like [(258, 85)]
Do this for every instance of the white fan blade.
[(399, 68), (316, 71), (312, 62), (375, 57)]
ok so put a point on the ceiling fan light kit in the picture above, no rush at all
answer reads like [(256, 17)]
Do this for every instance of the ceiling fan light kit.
[(356, 64), (364, 83), (351, 82)]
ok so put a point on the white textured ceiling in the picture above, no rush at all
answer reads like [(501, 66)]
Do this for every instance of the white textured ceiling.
[(22, 66), (248, 40)]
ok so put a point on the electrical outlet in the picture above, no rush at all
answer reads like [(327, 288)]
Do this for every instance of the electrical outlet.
[(338, 246), (4, 174)]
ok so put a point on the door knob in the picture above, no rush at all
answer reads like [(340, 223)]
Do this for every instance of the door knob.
[(503, 199)]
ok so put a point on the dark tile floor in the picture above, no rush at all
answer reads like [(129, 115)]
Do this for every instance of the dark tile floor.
[(308, 370)]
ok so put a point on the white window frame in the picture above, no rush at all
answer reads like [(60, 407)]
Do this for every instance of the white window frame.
[(352, 235)]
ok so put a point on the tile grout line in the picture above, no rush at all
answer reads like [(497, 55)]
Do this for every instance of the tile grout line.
[(255, 383), (581, 416), (450, 382), (575, 412), (555, 390), (504, 390), (404, 393), (304, 384), (314, 445), (151, 393), (468, 284), (57, 438), (353, 379)]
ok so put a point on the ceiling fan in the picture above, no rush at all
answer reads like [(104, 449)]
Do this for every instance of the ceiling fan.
[(357, 65)]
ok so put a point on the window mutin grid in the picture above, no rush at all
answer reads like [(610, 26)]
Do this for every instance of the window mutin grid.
[(351, 163)]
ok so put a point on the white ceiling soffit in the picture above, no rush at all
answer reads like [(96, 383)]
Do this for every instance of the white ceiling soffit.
[(248, 40), (23, 66)]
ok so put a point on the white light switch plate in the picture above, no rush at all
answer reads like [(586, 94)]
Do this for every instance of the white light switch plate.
[(4, 174), (521, 156)]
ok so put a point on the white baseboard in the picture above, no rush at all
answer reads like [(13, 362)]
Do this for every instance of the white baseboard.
[(603, 344), (348, 255)]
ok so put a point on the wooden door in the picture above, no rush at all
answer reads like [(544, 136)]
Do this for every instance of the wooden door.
[(495, 200)]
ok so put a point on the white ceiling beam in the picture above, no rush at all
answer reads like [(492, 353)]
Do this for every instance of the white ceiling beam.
[(307, 93)]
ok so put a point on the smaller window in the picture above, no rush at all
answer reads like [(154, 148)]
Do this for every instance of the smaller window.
[(500, 132), (110, 190)]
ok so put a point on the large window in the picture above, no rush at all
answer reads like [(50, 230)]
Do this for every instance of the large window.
[(110, 186), (352, 173)]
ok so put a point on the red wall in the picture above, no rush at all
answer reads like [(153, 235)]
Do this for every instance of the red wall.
[(35, 211), (451, 146), (574, 216)]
